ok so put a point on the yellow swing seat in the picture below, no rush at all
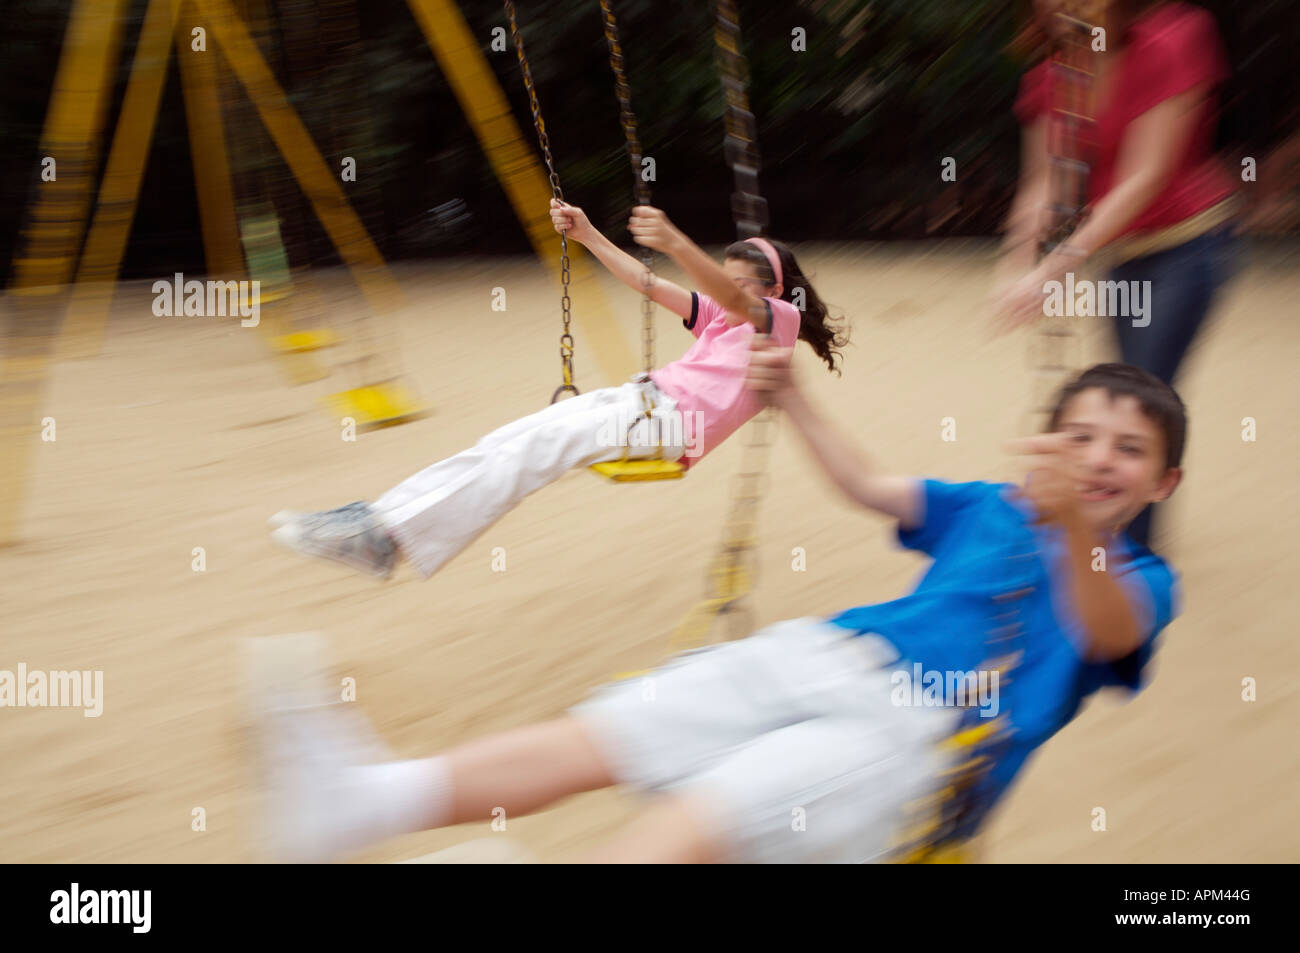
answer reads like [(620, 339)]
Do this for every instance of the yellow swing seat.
[(384, 404), (298, 342), (639, 471)]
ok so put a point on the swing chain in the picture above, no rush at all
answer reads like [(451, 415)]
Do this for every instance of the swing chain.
[(1054, 351), (641, 187), (566, 336), (748, 207), (732, 572), (733, 569)]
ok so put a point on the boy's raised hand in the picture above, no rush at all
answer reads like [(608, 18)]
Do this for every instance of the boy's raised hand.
[(770, 376), (1052, 484), (570, 221), (650, 227)]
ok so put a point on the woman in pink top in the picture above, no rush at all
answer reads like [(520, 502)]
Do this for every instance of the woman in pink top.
[(679, 412), (1160, 205)]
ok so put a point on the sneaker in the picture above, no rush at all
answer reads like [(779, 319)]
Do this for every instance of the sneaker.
[(307, 743), (351, 535)]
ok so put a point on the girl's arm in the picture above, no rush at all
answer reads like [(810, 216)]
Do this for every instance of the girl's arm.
[(650, 227), (771, 379), (573, 221)]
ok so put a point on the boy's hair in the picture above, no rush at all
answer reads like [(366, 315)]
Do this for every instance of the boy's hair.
[(815, 326), (1160, 403)]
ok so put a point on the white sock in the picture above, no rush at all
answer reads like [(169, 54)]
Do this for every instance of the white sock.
[(397, 797)]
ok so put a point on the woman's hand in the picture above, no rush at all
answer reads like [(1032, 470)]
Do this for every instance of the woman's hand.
[(770, 376), (650, 227), (1023, 300), (1019, 301), (571, 221)]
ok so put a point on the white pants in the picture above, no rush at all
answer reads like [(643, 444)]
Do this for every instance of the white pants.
[(791, 736), (442, 509)]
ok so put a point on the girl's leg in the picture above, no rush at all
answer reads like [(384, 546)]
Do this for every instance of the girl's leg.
[(434, 521), (435, 514), (455, 467)]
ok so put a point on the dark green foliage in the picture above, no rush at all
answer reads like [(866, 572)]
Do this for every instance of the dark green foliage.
[(852, 131)]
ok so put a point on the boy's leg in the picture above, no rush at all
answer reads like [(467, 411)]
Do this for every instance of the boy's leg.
[(334, 787), (785, 747), (523, 770), (327, 804), (672, 831)]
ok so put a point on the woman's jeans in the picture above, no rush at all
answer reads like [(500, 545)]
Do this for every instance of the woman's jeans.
[(1184, 281)]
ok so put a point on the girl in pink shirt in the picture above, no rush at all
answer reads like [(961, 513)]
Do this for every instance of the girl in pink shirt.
[(679, 412)]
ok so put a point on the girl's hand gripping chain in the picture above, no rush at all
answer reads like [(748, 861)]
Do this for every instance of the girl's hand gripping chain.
[(571, 221), (649, 226)]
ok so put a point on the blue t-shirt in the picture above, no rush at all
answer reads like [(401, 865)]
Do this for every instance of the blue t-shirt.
[(997, 588)]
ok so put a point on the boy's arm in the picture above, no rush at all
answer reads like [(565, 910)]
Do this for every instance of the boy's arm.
[(897, 496), (1100, 600), (1108, 617)]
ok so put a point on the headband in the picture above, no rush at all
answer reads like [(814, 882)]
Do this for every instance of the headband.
[(772, 257)]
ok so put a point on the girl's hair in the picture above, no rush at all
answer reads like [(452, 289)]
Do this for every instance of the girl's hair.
[(815, 326)]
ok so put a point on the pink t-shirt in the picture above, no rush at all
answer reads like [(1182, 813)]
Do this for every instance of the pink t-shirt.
[(1171, 49), (708, 381)]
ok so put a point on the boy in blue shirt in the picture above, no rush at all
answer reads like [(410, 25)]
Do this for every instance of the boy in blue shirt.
[(814, 739)]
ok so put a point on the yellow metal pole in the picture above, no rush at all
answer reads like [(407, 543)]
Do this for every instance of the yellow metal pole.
[(375, 403), (92, 295), (318, 182), (82, 84), (199, 72), (72, 126), (519, 171)]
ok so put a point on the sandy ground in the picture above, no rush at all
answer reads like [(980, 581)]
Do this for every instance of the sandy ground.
[(182, 433)]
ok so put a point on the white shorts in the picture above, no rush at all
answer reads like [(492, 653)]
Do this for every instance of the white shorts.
[(791, 736)]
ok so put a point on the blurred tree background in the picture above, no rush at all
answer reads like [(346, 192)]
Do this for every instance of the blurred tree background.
[(851, 130)]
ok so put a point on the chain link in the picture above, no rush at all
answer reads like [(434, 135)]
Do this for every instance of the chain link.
[(566, 336), (1055, 352), (733, 570), (748, 207), (640, 187)]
